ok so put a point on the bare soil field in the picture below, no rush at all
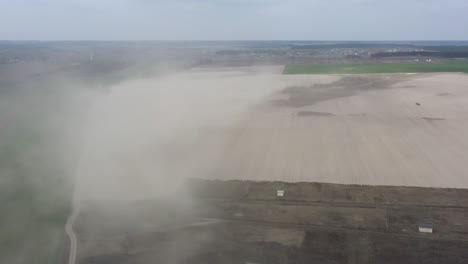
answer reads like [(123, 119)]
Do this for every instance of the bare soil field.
[(403, 130), (253, 123)]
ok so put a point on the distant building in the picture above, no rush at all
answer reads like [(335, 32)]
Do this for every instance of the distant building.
[(425, 228)]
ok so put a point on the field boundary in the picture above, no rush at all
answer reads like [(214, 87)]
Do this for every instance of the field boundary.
[(370, 68)]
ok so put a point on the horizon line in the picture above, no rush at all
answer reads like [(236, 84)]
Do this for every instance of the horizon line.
[(227, 40)]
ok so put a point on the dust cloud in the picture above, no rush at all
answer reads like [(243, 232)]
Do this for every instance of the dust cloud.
[(146, 136), (135, 139), (40, 121)]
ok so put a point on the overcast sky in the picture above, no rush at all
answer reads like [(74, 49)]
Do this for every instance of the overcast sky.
[(234, 19)]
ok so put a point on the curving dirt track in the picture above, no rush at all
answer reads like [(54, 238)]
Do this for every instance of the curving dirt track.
[(69, 230)]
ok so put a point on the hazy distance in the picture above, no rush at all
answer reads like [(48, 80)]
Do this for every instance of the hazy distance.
[(233, 20)]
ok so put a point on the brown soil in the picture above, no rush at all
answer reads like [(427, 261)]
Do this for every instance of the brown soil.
[(246, 222)]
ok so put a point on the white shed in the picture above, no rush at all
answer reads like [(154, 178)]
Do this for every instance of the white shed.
[(425, 228)]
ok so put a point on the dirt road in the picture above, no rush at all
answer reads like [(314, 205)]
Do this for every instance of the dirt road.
[(72, 236)]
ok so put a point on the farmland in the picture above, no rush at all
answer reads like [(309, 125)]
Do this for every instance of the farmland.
[(362, 157), (449, 66), (351, 154)]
